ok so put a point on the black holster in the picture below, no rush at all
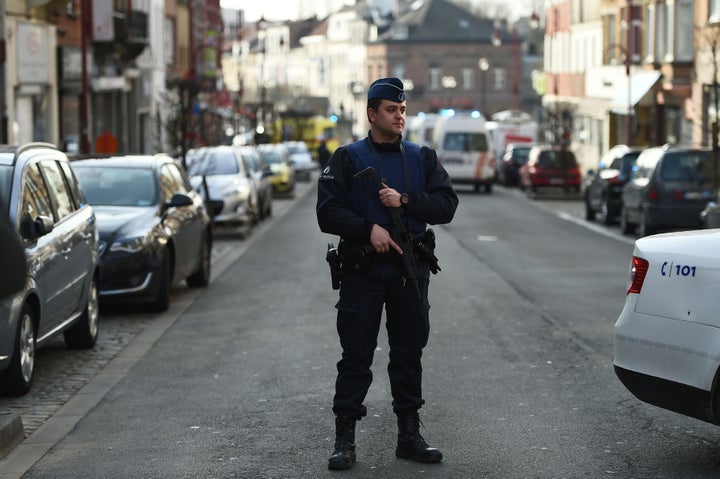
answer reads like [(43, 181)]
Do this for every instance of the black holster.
[(333, 259), (425, 251)]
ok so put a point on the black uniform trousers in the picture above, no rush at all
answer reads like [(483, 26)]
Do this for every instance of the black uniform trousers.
[(362, 297)]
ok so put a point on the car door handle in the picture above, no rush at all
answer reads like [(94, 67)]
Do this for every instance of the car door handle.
[(87, 236), (65, 251)]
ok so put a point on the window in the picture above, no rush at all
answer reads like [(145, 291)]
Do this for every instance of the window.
[(684, 47), (468, 78), (77, 196), (58, 189), (435, 74), (168, 183), (650, 34), (36, 200), (714, 11), (499, 81)]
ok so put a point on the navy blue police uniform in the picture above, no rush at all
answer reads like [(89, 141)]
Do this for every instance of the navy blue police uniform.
[(348, 207)]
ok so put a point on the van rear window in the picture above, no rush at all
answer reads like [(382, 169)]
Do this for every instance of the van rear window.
[(461, 141)]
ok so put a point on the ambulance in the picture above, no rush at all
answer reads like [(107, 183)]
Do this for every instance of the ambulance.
[(464, 147)]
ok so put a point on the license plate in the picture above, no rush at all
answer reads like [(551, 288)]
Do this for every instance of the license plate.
[(556, 181), (697, 195)]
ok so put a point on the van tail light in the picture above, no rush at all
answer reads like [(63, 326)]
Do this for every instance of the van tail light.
[(679, 195), (638, 270), (653, 195)]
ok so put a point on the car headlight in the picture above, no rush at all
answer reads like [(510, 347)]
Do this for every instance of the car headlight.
[(131, 244)]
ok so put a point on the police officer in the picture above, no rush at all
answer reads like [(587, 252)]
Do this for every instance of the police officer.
[(373, 271)]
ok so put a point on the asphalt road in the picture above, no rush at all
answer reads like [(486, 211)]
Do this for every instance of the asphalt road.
[(236, 380)]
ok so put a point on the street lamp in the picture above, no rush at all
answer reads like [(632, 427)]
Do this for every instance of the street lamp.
[(484, 66)]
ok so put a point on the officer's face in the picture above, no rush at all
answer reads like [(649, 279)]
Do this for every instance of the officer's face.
[(388, 122)]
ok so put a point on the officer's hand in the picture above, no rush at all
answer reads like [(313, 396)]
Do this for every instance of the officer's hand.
[(389, 197), (382, 242)]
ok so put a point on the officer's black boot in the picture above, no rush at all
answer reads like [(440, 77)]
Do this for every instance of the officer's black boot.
[(343, 457), (411, 444)]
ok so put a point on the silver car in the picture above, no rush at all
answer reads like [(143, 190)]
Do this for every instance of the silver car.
[(43, 202), (301, 159), (223, 178)]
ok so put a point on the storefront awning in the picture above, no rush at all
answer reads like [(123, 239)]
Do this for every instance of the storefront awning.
[(641, 84)]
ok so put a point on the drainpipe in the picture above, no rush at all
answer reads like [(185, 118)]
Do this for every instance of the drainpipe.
[(3, 57), (85, 32)]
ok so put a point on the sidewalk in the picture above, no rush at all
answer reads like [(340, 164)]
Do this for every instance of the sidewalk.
[(18, 453)]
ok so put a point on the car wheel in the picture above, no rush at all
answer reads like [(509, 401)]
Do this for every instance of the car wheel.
[(162, 297), (589, 211), (18, 376), (201, 277), (84, 333), (644, 228), (488, 187), (625, 226), (606, 212)]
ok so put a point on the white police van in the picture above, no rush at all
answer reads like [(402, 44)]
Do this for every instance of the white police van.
[(465, 149)]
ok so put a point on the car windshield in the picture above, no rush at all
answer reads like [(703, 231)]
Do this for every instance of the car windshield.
[(553, 159), (297, 148), (5, 181), (465, 141), (685, 166), (212, 163), (116, 186), (271, 157), (520, 155)]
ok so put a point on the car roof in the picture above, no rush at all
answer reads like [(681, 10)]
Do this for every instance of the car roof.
[(10, 153)]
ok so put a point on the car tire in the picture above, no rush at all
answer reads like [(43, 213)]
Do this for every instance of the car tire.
[(17, 378), (488, 187), (606, 213), (625, 226), (162, 297), (643, 228), (201, 277), (84, 333), (589, 211)]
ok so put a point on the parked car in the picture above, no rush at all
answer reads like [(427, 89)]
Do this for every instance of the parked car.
[(603, 188), (669, 187), (516, 155), (301, 159), (261, 174), (57, 228), (550, 166), (276, 156), (667, 337), (154, 228), (221, 175)]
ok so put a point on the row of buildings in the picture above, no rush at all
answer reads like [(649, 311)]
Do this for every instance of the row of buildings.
[(163, 75)]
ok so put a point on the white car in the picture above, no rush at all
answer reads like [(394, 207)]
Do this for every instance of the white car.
[(221, 175), (301, 159), (667, 338)]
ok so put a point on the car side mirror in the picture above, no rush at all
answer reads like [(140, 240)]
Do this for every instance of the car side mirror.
[(31, 229), (178, 200)]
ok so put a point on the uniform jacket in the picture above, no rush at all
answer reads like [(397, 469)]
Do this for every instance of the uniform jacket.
[(348, 207)]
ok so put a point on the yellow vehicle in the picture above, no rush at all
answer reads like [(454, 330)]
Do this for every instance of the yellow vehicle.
[(310, 130)]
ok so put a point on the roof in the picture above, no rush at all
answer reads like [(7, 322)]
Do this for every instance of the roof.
[(439, 21)]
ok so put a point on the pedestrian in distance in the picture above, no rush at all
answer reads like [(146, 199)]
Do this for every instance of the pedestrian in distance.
[(379, 195), (323, 154)]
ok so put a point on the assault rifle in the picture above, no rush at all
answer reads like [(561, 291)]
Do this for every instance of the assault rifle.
[(399, 234)]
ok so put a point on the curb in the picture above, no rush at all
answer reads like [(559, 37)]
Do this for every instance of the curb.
[(11, 432)]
